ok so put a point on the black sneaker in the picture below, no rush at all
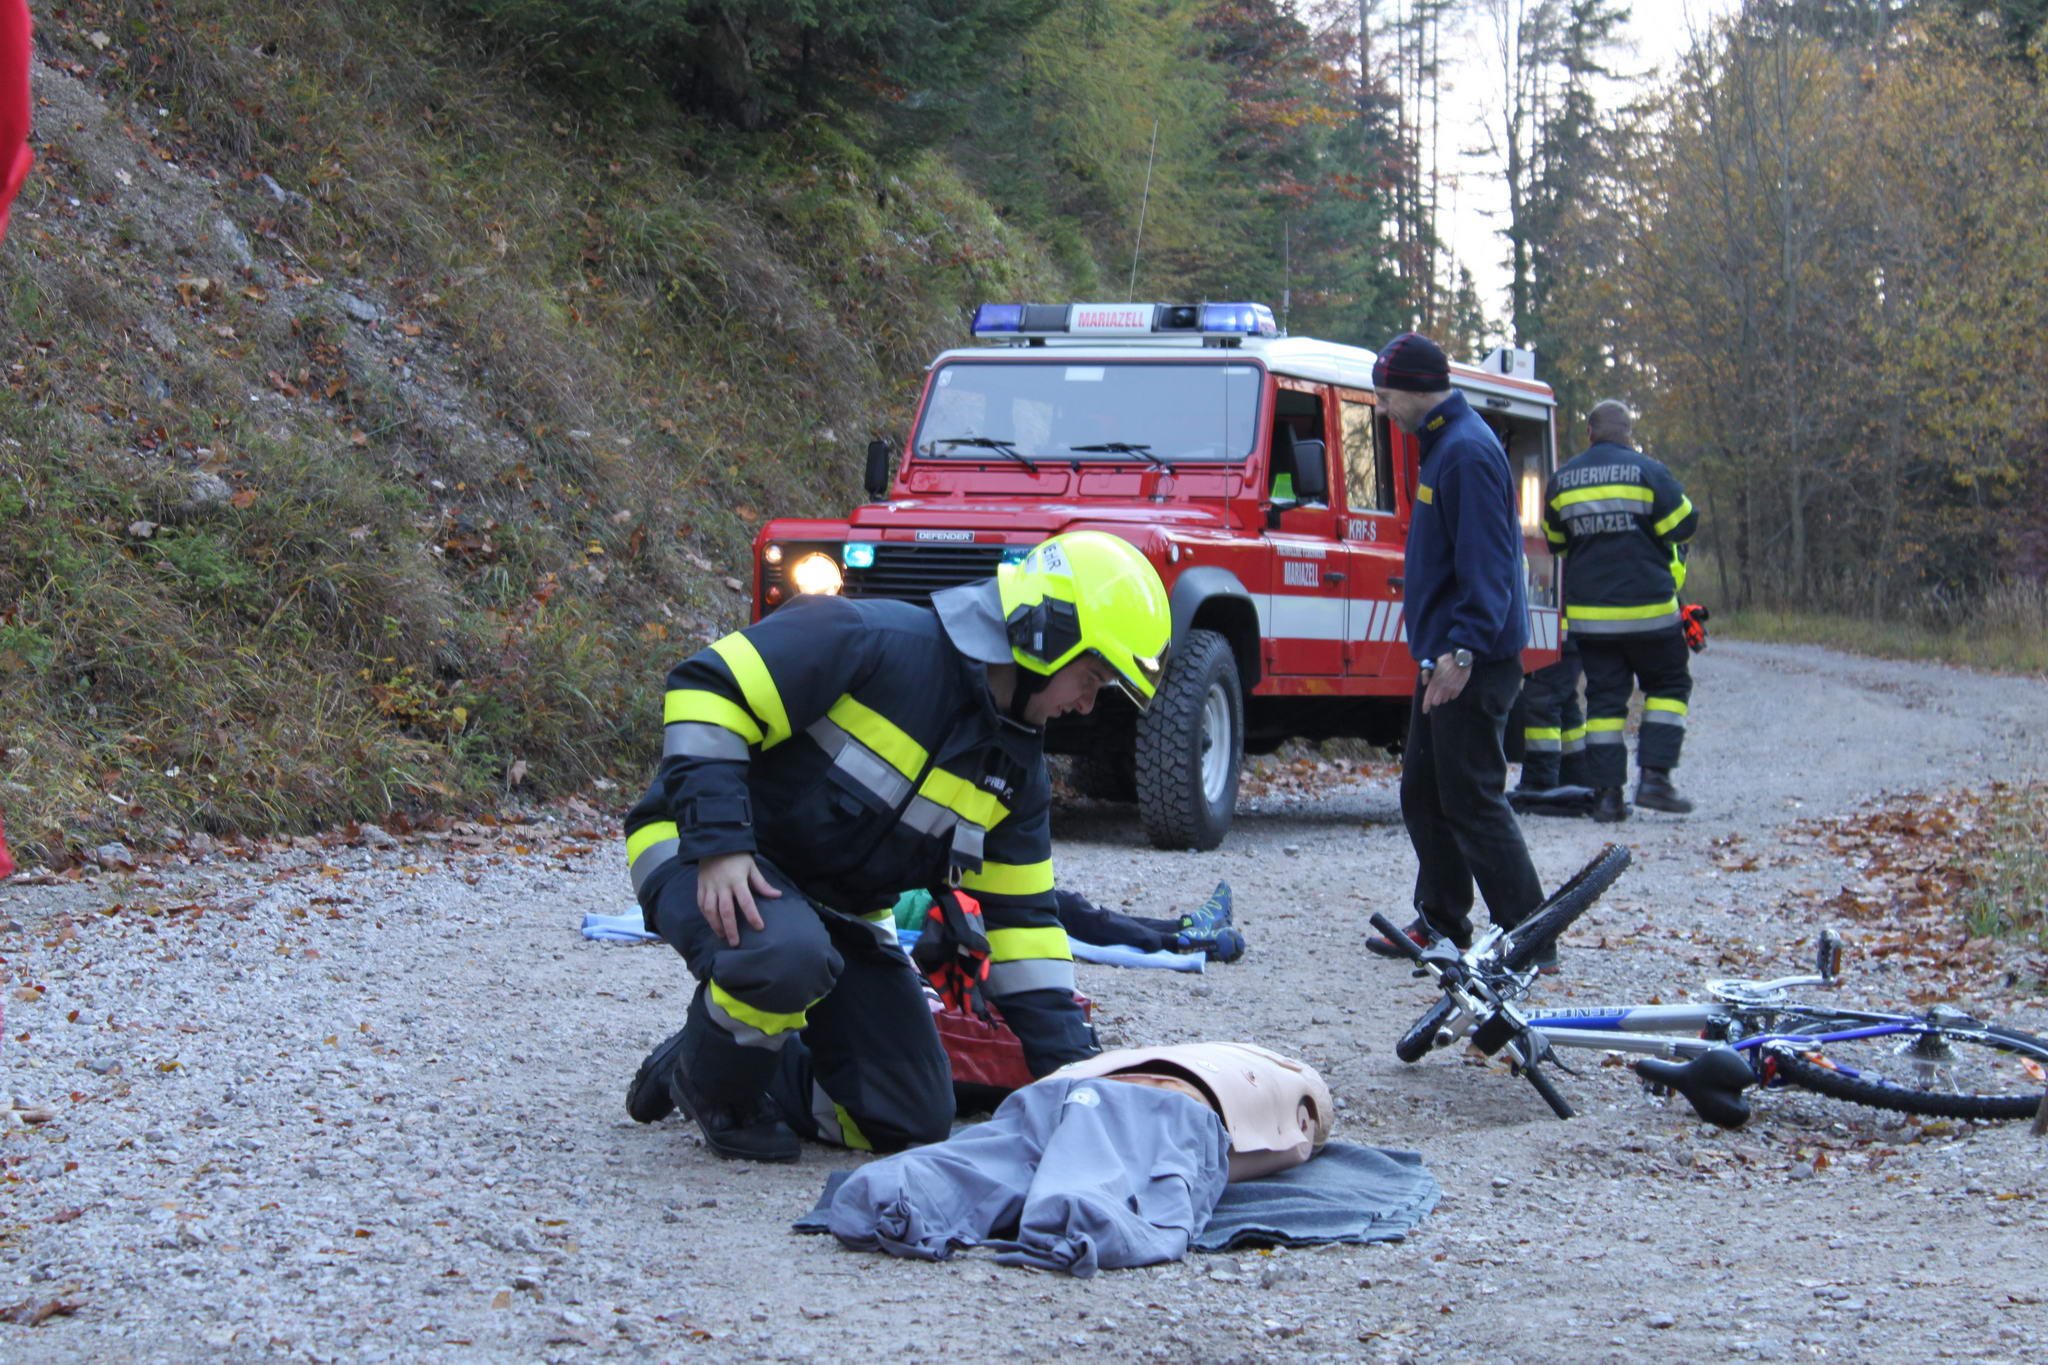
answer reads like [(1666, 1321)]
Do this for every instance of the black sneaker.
[(747, 1131), (647, 1098)]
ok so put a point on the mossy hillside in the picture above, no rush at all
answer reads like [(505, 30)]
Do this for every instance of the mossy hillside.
[(378, 426)]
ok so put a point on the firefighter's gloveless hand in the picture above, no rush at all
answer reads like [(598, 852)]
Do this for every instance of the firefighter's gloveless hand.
[(726, 886), (1446, 681)]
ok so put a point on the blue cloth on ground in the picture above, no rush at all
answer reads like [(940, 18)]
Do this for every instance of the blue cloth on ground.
[(1077, 1175), (1347, 1193), (616, 928)]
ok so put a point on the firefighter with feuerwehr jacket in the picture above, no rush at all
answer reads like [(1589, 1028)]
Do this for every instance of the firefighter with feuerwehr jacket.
[(1615, 516)]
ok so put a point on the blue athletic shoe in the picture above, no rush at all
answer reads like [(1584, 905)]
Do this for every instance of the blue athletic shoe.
[(1225, 945), (1213, 916)]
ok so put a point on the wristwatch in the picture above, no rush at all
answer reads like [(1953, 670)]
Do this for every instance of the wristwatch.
[(1462, 657)]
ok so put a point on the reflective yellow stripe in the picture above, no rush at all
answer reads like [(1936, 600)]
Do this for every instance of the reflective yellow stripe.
[(1683, 510), (1011, 879), (1540, 732), (881, 734), (1424, 493), (1602, 724), (1622, 613), (710, 709), (963, 798), (769, 1023), (1576, 732), (1602, 492), (756, 684), (1555, 536), (1663, 704), (646, 836), (1019, 945), (849, 1131)]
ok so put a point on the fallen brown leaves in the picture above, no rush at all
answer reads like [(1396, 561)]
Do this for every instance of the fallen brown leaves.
[(1921, 862), (29, 1313)]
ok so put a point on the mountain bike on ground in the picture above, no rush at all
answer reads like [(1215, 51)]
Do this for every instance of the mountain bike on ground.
[(1940, 1061)]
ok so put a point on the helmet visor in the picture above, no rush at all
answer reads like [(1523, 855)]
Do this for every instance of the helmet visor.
[(1136, 677)]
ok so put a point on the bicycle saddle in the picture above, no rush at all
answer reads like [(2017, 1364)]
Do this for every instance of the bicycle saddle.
[(1712, 1083)]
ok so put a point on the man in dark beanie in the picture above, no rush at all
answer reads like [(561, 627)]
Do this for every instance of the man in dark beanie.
[(1467, 614)]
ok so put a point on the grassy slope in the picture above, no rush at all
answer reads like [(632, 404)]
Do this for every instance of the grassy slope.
[(268, 564)]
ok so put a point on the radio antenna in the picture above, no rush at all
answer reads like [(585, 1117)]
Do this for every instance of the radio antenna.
[(1131, 294), (1286, 270)]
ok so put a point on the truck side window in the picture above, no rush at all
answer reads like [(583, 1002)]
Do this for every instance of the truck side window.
[(1301, 414), (1368, 465)]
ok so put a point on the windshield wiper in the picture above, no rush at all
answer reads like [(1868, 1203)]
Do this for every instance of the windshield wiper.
[(1008, 448), (1122, 448)]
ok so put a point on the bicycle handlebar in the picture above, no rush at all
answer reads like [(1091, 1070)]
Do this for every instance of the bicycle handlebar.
[(1399, 939)]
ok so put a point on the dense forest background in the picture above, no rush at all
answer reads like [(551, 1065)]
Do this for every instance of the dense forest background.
[(393, 387)]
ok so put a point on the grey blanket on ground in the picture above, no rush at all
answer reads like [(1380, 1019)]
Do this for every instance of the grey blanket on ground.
[(1077, 1175), (1346, 1194)]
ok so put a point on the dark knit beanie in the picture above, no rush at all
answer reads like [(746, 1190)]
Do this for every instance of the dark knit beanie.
[(1411, 361)]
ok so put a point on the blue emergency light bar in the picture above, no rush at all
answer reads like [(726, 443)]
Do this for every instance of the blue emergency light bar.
[(1023, 320)]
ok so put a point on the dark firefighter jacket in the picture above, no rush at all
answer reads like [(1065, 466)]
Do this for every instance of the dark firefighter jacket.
[(1464, 566), (856, 745), (1615, 514)]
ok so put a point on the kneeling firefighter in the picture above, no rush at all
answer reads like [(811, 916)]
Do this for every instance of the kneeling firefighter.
[(820, 761)]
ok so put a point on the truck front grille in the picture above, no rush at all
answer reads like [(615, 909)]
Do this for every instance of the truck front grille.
[(912, 573)]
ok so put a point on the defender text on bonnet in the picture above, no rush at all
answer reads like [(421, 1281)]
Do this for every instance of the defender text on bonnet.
[(1254, 472)]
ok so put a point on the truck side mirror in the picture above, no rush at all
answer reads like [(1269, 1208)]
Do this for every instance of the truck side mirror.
[(877, 480), (1311, 473)]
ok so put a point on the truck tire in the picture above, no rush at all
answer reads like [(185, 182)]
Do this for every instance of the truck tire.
[(1191, 745), (1110, 775)]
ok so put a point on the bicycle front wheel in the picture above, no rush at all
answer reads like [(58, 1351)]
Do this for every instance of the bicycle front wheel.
[(1956, 1070), (1566, 904)]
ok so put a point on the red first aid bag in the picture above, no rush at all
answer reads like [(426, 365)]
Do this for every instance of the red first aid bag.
[(985, 1052)]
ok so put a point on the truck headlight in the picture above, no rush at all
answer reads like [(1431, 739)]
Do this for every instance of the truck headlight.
[(816, 573)]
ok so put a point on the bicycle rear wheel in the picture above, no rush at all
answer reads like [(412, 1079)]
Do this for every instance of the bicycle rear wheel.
[(1962, 1070), (1566, 904)]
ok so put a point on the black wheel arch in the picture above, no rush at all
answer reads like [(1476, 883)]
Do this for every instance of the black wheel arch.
[(1212, 598)]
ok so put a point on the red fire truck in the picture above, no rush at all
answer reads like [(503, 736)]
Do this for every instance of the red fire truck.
[(1251, 468)]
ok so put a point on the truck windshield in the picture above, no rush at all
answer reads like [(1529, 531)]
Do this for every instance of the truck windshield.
[(1142, 411)]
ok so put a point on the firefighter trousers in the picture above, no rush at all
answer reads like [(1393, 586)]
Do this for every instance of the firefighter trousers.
[(1454, 775), (1554, 727), (1615, 665), (821, 1010)]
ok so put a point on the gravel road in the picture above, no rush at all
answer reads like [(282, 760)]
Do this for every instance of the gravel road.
[(359, 1099)]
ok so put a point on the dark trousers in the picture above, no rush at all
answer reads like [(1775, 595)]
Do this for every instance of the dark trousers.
[(1091, 923), (1554, 728), (1614, 665), (1454, 776), (820, 1010)]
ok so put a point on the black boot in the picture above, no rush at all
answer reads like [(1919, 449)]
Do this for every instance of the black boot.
[(743, 1130), (1608, 807), (1655, 792), (647, 1098)]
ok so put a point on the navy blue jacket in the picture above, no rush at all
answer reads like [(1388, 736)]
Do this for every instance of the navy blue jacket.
[(1464, 566)]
